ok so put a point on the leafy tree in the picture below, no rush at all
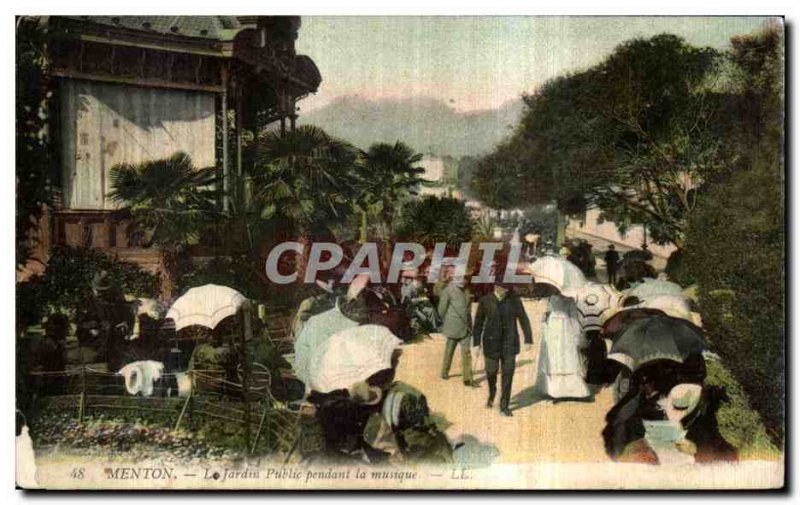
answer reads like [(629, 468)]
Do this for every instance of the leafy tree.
[(540, 220), (435, 219), (388, 174), (33, 151), (170, 203), (634, 135)]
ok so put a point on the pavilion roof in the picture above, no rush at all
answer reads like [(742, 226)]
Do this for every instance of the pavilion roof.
[(217, 28)]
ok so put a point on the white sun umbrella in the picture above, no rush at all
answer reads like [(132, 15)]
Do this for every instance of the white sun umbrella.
[(205, 306), (655, 287), (677, 306), (558, 272), (594, 300), (351, 355), (315, 332)]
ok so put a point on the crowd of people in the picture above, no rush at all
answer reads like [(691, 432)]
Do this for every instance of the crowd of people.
[(663, 411)]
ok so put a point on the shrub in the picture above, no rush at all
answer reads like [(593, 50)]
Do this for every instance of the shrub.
[(238, 273), (735, 251), (68, 279), (435, 219), (739, 424), (735, 246)]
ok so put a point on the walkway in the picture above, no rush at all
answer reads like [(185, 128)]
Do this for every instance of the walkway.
[(540, 430)]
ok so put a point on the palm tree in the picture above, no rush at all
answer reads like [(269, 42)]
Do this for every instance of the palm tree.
[(305, 177), (169, 202), (388, 174), (434, 219)]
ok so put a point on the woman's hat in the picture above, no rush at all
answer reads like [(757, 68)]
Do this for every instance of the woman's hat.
[(363, 393)]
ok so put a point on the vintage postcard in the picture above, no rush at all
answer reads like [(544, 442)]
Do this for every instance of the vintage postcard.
[(413, 252)]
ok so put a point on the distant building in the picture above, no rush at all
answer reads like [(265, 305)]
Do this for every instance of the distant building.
[(600, 234), (136, 88), (435, 177)]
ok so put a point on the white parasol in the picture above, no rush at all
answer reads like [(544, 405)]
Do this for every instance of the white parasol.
[(592, 301), (315, 332), (205, 306), (558, 272), (655, 287), (677, 306), (351, 355)]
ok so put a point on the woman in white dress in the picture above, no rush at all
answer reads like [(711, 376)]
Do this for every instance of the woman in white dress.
[(561, 369)]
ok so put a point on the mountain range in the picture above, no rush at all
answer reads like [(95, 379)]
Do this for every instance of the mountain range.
[(426, 124)]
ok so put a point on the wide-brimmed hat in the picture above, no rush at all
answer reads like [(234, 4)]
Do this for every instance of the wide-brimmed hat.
[(363, 393)]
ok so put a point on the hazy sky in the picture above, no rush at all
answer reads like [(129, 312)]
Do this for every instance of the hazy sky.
[(477, 62)]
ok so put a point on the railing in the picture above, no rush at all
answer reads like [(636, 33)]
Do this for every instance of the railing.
[(212, 395), (99, 229)]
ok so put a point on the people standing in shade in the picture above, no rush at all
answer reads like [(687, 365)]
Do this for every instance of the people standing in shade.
[(454, 309), (496, 330), (612, 264)]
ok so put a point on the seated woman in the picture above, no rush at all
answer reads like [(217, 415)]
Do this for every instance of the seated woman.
[(379, 420), (668, 417)]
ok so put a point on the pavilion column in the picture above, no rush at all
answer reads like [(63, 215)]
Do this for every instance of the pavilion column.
[(225, 169), (239, 127)]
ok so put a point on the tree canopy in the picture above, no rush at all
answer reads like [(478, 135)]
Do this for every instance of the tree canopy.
[(635, 135), (387, 174), (433, 219), (734, 247), (305, 176)]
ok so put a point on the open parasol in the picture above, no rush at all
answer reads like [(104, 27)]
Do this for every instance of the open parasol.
[(315, 332), (654, 338), (205, 306), (655, 287), (559, 273), (350, 356), (594, 300)]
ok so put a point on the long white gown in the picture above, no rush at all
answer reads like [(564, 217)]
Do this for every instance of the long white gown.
[(561, 369)]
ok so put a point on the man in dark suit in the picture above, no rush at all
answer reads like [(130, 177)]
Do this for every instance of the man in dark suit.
[(612, 263), (496, 328)]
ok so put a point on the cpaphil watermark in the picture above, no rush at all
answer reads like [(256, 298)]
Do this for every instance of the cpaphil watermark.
[(366, 262)]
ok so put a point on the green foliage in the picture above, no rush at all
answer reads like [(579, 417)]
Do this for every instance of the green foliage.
[(736, 243), (541, 220), (633, 135), (484, 228), (170, 201), (67, 281), (735, 251), (676, 271), (304, 176), (238, 272), (739, 424), (435, 219), (388, 174), (33, 146)]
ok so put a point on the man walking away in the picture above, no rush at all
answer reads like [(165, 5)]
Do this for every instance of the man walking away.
[(496, 328), (612, 262), (454, 309)]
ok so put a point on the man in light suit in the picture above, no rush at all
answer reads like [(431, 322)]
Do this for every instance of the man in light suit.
[(454, 309)]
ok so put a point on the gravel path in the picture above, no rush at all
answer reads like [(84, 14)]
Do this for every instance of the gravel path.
[(540, 430)]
